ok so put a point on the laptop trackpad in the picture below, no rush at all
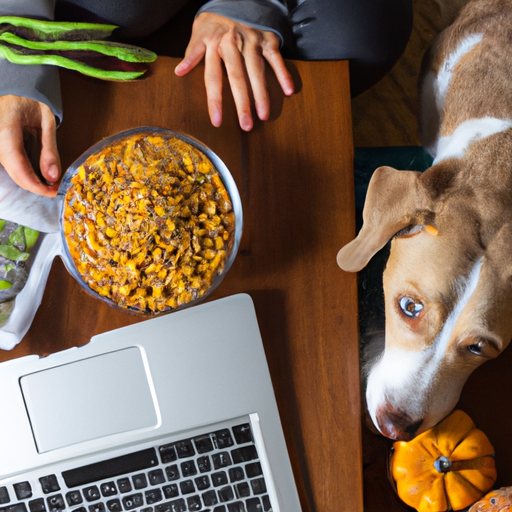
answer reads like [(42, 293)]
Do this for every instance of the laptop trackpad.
[(88, 399)]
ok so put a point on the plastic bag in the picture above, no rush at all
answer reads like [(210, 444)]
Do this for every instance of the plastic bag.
[(29, 241)]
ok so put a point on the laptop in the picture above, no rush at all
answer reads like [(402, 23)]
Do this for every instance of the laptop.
[(173, 414)]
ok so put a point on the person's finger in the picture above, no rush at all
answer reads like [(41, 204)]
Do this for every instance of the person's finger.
[(255, 65), (49, 160), (270, 50), (193, 55), (16, 163), (213, 76), (235, 70)]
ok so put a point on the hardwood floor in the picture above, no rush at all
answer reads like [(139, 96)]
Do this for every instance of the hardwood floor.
[(386, 114)]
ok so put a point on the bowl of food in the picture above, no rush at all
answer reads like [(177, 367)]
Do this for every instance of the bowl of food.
[(151, 220)]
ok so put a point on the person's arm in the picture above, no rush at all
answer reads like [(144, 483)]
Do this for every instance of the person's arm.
[(244, 35), (30, 106)]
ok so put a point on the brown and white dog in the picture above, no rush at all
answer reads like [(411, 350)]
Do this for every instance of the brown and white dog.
[(448, 279)]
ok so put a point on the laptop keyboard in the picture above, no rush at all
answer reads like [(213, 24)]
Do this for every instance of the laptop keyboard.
[(218, 471)]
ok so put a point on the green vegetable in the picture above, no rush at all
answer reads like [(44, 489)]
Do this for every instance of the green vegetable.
[(70, 45), (40, 30), (2, 224), (31, 236), (5, 285), (9, 267), (13, 254), (17, 237)]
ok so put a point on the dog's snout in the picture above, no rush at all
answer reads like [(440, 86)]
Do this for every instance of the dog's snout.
[(396, 425)]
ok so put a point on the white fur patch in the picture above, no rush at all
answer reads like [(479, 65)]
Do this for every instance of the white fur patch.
[(404, 377), (445, 73), (472, 130)]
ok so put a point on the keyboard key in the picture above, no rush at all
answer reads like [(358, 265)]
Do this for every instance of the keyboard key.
[(243, 434), (242, 490), (219, 478), (236, 474), (171, 491), (253, 469), (204, 464), (202, 482), (221, 460), (253, 505), (97, 507), (124, 485), (187, 487), (74, 498), (226, 493), (133, 501), (220, 508), (153, 496), (49, 484), (267, 507), (172, 506), (188, 468), (204, 444), (92, 493), (146, 509), (4, 495), (172, 472), (17, 507), (108, 489), (80, 509), (238, 506), (37, 505), (194, 503), (156, 477), (167, 453), (244, 454), (184, 448), (258, 486), (210, 498), (139, 481), (114, 505), (23, 490), (222, 438), (55, 503)]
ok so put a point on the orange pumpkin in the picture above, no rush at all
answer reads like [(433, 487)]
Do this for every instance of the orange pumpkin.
[(499, 500), (447, 467)]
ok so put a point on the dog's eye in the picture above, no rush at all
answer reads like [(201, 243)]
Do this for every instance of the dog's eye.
[(410, 307), (476, 348)]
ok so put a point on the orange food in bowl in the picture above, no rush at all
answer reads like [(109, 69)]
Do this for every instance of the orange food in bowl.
[(448, 467), (148, 222)]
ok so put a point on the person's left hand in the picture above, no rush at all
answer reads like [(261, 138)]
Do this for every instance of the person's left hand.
[(244, 51)]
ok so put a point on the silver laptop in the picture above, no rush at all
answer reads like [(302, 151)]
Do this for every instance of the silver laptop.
[(173, 414)]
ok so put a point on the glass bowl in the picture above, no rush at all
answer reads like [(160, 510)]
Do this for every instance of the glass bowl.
[(226, 179)]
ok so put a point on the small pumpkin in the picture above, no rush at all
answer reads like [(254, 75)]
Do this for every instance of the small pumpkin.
[(499, 500), (448, 467)]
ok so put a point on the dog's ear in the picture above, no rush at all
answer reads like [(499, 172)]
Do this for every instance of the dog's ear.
[(393, 201)]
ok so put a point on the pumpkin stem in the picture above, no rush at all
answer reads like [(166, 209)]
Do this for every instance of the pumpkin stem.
[(443, 464)]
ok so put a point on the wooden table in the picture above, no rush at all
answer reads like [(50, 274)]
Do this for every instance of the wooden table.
[(295, 176)]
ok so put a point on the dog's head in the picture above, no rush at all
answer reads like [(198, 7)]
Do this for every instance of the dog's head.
[(447, 292)]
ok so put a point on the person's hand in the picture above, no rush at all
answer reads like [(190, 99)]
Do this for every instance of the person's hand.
[(23, 123), (244, 51)]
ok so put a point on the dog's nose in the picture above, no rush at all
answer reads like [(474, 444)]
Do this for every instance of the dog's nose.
[(395, 424)]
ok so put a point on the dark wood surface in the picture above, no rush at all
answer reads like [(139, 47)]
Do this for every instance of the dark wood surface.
[(295, 176)]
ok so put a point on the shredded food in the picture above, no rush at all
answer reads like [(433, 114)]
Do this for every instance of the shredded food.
[(148, 222)]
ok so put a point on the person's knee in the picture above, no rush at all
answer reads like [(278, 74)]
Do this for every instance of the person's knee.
[(372, 34)]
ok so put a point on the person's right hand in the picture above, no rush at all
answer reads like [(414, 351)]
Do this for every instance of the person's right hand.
[(20, 119)]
